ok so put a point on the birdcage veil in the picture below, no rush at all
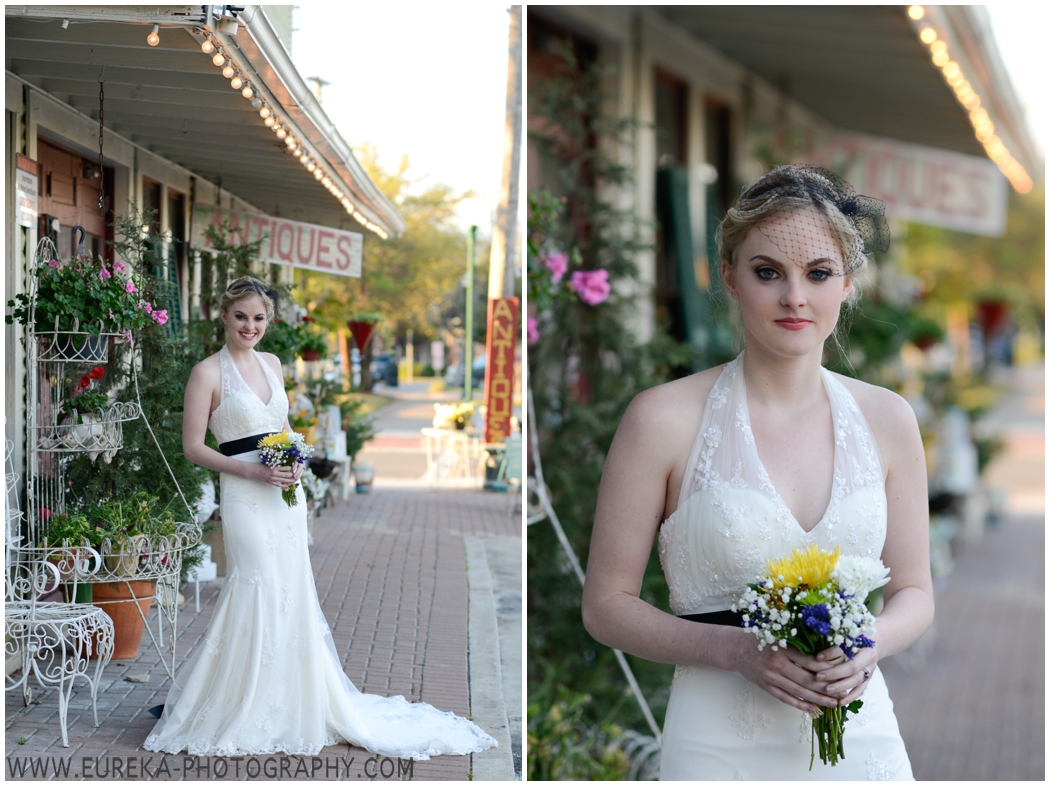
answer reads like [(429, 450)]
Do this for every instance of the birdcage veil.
[(857, 222)]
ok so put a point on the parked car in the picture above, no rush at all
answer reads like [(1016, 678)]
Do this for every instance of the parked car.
[(384, 369)]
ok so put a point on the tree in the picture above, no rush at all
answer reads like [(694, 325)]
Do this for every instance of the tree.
[(411, 279)]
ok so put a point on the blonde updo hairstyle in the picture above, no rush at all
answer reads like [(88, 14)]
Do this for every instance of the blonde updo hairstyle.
[(787, 189), (246, 286)]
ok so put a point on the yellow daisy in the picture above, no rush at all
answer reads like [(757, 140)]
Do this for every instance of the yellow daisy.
[(274, 440), (811, 567)]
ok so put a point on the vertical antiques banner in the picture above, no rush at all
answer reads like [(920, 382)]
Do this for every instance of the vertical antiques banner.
[(499, 376)]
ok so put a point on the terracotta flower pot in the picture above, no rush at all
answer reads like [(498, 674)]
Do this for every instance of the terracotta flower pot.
[(128, 625)]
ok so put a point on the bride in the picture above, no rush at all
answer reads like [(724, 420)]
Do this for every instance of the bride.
[(743, 463), (266, 676)]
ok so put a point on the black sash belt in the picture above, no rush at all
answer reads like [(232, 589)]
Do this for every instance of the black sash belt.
[(733, 619), (245, 445)]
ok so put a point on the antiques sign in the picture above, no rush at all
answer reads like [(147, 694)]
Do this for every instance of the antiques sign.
[(26, 192), (499, 375), (926, 185), (285, 242)]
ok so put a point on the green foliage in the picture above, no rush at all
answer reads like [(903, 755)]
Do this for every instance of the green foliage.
[(956, 267), (409, 282), (359, 428), (164, 358), (584, 370), (564, 746), (87, 290)]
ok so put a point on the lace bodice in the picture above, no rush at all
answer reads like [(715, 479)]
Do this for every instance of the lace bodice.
[(241, 413), (730, 519)]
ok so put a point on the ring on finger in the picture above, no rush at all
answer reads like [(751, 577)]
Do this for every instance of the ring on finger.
[(867, 674)]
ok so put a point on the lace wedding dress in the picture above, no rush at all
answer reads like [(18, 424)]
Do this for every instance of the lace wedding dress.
[(266, 677), (729, 521)]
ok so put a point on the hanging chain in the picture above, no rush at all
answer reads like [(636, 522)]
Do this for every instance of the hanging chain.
[(101, 171)]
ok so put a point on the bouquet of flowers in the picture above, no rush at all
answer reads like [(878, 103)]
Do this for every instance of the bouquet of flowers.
[(814, 600), (285, 450)]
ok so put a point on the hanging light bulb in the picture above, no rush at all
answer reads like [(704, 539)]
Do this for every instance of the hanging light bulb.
[(207, 47), (153, 39), (236, 83), (218, 59), (311, 166), (248, 93), (281, 133), (264, 112), (318, 174), (228, 71), (290, 141), (269, 122)]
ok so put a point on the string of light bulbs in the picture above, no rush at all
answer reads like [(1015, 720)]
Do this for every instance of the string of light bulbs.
[(239, 81), (984, 129)]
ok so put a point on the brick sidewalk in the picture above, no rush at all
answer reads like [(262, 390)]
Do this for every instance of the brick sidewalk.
[(391, 578), (970, 698)]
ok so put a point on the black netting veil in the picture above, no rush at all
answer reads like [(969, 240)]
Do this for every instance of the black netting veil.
[(777, 205)]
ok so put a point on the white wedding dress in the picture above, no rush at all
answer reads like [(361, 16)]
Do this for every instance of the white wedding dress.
[(729, 521), (266, 677)]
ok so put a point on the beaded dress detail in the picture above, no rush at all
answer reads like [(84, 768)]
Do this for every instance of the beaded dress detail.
[(266, 676), (729, 521)]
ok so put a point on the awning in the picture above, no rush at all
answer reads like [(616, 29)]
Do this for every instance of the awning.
[(864, 68), (172, 100)]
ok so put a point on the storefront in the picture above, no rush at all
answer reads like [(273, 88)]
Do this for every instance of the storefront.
[(911, 104), (181, 110)]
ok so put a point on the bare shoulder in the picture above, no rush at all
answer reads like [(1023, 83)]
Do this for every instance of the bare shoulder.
[(890, 417), (671, 413), (207, 372), (273, 361)]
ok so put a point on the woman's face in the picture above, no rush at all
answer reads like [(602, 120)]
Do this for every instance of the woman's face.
[(245, 321), (789, 301)]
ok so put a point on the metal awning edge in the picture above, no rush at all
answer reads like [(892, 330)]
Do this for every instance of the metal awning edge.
[(270, 48)]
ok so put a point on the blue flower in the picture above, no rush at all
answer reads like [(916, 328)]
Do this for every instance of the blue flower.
[(816, 617)]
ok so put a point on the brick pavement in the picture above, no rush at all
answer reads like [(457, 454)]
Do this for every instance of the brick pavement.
[(391, 578), (970, 697)]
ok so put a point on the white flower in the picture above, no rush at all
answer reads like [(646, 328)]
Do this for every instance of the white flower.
[(860, 575)]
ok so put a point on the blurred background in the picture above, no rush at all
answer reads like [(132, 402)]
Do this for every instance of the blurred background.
[(643, 125)]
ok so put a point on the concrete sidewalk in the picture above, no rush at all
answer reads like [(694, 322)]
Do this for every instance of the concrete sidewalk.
[(393, 581), (970, 698)]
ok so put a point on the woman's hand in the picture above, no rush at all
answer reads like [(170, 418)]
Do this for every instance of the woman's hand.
[(282, 477), (297, 471), (788, 675), (843, 678)]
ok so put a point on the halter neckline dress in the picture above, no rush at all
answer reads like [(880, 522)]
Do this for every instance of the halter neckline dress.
[(729, 521), (266, 676)]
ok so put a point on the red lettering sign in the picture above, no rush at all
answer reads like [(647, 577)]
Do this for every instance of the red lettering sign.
[(285, 242), (499, 378)]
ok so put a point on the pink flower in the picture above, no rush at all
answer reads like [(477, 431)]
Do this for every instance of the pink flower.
[(130, 287), (43, 514), (53, 263), (127, 336), (147, 306), (118, 267), (557, 263), (111, 313), (160, 316), (591, 285), (103, 274), (532, 329)]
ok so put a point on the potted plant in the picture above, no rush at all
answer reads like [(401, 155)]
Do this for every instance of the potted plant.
[(67, 534), (282, 339), (304, 423), (136, 528), (312, 344), (83, 296)]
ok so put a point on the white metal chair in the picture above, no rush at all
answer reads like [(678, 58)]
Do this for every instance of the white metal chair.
[(54, 641)]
